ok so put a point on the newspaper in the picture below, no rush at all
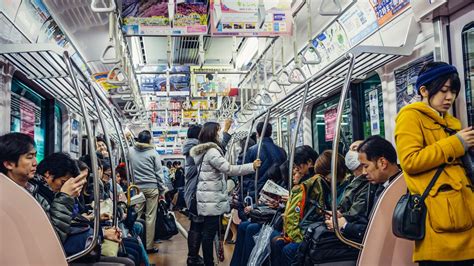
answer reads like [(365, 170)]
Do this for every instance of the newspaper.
[(272, 192)]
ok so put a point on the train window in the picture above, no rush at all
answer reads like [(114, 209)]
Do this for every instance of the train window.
[(324, 121), (28, 114), (468, 58), (284, 134), (372, 107), (58, 126)]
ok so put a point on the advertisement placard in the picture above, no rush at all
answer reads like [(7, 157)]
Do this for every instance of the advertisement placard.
[(144, 17), (330, 116), (386, 10), (241, 18)]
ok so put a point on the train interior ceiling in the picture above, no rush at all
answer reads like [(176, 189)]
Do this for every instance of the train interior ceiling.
[(74, 70)]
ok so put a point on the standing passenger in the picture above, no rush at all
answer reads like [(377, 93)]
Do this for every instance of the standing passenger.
[(146, 165), (428, 136), (211, 195)]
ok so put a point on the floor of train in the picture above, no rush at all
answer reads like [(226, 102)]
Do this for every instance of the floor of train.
[(174, 251)]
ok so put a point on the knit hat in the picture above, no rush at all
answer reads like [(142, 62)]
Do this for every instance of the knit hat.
[(352, 160)]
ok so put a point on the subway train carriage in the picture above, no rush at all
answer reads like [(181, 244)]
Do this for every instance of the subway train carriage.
[(237, 132)]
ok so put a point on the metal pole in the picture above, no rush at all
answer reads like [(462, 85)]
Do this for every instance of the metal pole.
[(93, 156), (243, 159), (122, 148), (295, 137), (259, 149), (127, 162), (335, 150), (109, 149)]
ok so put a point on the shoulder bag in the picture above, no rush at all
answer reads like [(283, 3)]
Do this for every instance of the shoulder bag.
[(408, 220)]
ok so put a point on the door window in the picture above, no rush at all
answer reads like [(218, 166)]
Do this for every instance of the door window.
[(468, 60)]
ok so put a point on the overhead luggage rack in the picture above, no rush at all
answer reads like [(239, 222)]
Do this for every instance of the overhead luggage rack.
[(363, 60), (44, 64)]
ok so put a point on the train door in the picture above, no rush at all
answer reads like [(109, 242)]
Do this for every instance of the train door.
[(461, 31)]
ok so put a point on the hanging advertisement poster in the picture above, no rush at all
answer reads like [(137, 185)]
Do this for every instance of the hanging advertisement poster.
[(330, 116), (101, 79), (151, 17), (299, 141), (179, 84), (27, 117), (359, 22), (213, 85), (386, 10), (75, 126), (374, 112), (331, 44), (241, 18), (405, 80)]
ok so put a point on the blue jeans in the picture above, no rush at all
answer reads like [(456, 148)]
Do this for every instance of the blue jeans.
[(244, 243), (283, 253)]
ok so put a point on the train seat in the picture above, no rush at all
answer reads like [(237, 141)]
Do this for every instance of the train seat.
[(26, 235), (381, 247)]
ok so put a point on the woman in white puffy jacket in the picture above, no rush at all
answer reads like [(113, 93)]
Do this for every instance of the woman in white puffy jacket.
[(211, 194)]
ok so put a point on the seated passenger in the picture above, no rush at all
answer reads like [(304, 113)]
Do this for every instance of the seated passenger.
[(299, 209), (379, 164), (304, 160)]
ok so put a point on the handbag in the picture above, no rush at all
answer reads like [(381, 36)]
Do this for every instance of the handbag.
[(165, 226), (409, 215), (262, 214), (132, 214)]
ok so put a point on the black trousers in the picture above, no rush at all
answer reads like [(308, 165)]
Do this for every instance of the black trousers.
[(208, 228)]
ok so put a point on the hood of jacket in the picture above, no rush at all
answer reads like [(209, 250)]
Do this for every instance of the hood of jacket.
[(448, 120), (189, 144), (143, 146), (198, 151)]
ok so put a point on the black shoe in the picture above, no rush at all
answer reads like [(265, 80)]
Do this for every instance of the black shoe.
[(152, 251), (195, 261)]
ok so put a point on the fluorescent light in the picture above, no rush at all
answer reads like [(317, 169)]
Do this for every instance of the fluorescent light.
[(249, 49)]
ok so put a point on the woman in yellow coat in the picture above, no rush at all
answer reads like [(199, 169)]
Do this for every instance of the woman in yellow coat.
[(426, 137)]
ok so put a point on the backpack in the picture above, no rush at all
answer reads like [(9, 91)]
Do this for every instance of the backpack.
[(190, 187)]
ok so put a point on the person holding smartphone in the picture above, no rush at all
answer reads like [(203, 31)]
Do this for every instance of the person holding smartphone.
[(428, 137)]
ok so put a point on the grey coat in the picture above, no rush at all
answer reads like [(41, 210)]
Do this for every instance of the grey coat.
[(211, 195), (146, 166)]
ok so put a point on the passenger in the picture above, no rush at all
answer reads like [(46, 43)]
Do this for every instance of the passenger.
[(166, 177), (89, 192), (194, 234), (379, 164), (106, 178), (354, 200), (299, 212), (178, 185), (225, 135), (246, 229), (101, 147), (120, 179), (270, 154), (211, 195), (146, 165), (427, 137)]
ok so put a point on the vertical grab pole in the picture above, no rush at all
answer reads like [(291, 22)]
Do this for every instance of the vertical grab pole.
[(259, 149), (295, 136), (109, 149), (243, 159), (335, 150), (122, 146), (127, 162), (93, 156)]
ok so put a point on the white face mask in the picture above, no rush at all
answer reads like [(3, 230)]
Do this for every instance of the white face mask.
[(352, 160)]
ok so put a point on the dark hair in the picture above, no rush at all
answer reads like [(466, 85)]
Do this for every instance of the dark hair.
[(169, 164), (58, 165), (12, 146), (175, 163), (121, 171), (87, 159), (209, 133), (144, 136), (322, 165), (274, 172), (82, 165), (436, 85), (376, 147), (284, 170), (305, 153), (105, 164), (100, 139), (268, 130), (193, 131)]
